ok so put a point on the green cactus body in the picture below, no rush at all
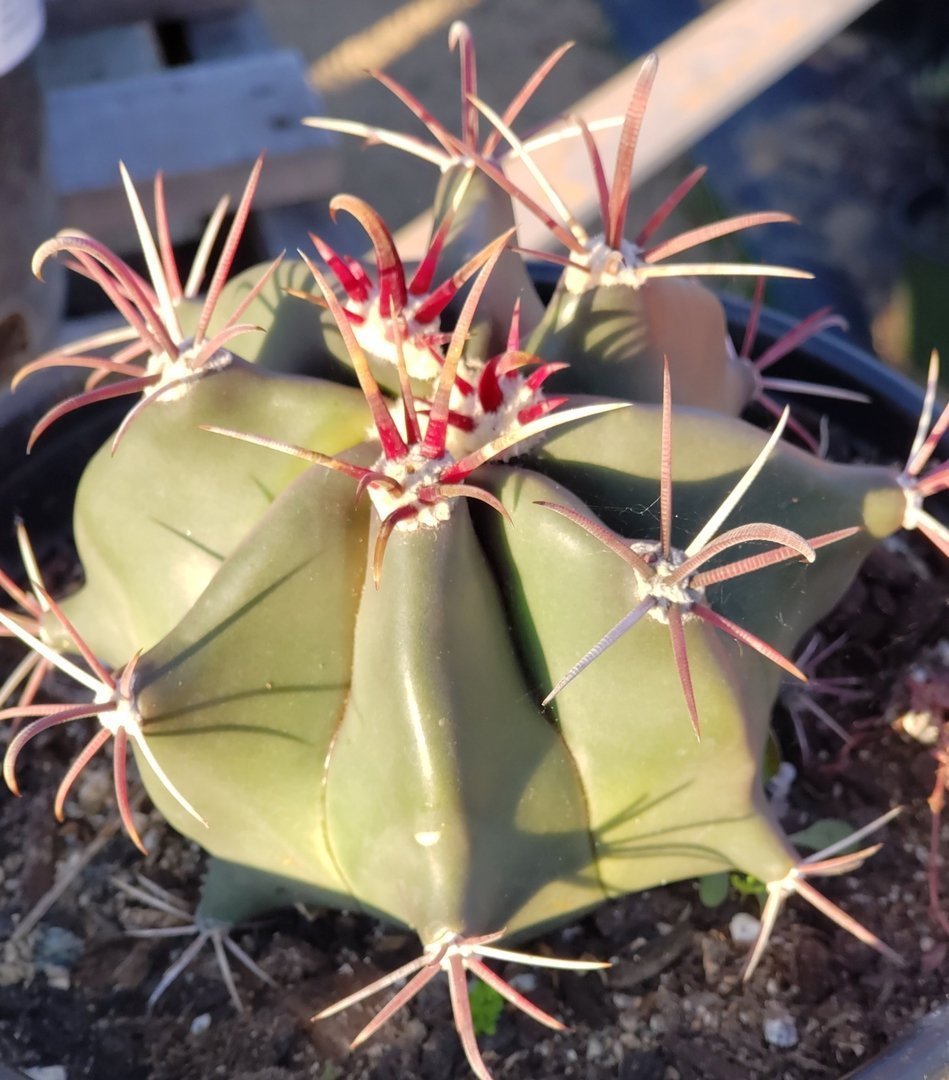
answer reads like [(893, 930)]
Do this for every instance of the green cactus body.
[(614, 336), (393, 313), (473, 699), (480, 211), (614, 467), (481, 825), (296, 335), (302, 338), (237, 716), (155, 519), (439, 794), (613, 464), (662, 804)]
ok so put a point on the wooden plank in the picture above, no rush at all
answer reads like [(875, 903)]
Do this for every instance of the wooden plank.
[(76, 16), (83, 326), (114, 52), (203, 125), (285, 228), (706, 72), (280, 228), (215, 37)]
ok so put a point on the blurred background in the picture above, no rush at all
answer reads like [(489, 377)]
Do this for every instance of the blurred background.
[(854, 140)]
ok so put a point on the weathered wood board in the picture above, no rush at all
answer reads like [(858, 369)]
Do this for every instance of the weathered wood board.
[(203, 124), (76, 16)]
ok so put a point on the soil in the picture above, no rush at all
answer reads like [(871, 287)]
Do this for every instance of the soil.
[(74, 990)]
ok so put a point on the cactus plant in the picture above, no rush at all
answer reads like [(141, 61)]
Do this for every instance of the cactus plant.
[(405, 621)]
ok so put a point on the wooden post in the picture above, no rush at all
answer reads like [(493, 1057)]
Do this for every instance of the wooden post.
[(76, 16), (29, 310)]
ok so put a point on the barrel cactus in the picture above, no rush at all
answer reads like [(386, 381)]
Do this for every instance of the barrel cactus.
[(417, 597)]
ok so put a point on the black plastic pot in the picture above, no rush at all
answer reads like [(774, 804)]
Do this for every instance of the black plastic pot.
[(889, 419), (921, 1054), (40, 487), (920, 224)]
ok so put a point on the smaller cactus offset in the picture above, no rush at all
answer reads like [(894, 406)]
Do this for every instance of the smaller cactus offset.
[(415, 596)]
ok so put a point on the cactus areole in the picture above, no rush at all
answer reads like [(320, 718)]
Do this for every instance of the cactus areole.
[(469, 623)]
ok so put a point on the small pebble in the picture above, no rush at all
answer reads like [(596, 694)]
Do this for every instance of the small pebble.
[(57, 977), (200, 1024), (780, 1031), (151, 838), (15, 963), (779, 787), (525, 981), (94, 791), (744, 929), (57, 947), (921, 726), (46, 1072)]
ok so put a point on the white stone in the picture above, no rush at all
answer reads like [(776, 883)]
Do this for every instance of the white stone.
[(780, 1031), (744, 929), (200, 1024)]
